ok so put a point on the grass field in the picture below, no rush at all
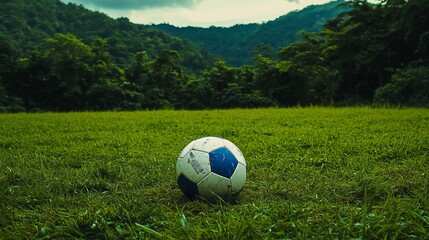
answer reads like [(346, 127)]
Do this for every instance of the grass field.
[(321, 173)]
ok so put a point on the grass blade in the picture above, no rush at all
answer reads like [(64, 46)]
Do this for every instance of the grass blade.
[(149, 230)]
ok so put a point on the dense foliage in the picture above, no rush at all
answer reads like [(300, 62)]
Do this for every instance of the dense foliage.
[(372, 54)]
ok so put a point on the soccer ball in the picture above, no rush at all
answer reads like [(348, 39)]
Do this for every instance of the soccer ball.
[(211, 167)]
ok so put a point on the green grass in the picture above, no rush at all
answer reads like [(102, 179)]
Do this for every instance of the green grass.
[(319, 173)]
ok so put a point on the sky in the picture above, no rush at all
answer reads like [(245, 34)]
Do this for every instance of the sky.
[(199, 13)]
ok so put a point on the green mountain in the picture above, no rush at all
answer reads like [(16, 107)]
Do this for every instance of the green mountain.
[(237, 43), (27, 24)]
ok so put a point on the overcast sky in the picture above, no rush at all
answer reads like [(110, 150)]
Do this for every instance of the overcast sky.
[(202, 13)]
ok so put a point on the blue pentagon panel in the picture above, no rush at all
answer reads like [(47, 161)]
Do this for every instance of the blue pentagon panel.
[(189, 188), (223, 162), (235, 150)]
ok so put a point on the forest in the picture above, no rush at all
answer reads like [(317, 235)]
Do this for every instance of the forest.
[(67, 58)]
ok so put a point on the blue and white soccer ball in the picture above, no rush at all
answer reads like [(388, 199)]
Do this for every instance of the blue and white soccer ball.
[(211, 167)]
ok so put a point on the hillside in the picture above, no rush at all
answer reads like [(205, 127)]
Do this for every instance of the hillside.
[(58, 57), (30, 23), (236, 44)]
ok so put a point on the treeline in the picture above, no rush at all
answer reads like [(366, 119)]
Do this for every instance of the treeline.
[(66, 75), (373, 54)]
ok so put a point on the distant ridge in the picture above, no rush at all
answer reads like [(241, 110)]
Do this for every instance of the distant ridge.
[(235, 44)]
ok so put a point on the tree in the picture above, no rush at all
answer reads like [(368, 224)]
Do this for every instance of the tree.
[(138, 74), (106, 86), (280, 81), (196, 93), (315, 80), (30, 82), (409, 87), (266, 76), (165, 80), (218, 77), (414, 25), (8, 61), (70, 75)]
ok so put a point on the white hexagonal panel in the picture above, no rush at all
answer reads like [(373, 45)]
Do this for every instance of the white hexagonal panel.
[(214, 185), (235, 150), (195, 165), (238, 178), (208, 144)]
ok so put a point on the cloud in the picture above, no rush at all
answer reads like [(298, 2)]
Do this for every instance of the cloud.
[(139, 4), (203, 13)]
